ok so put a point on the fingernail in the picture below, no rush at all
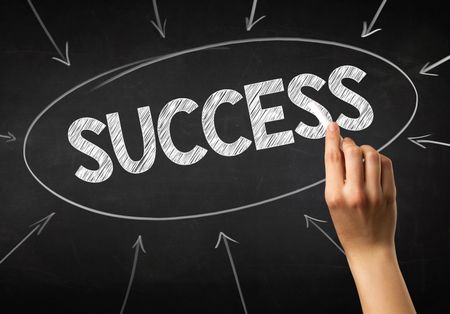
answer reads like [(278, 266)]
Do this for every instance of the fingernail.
[(333, 127)]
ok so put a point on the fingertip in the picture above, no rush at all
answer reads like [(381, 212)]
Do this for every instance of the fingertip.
[(333, 132), (333, 127)]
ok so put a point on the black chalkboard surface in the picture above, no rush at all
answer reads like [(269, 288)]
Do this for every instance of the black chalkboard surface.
[(152, 159)]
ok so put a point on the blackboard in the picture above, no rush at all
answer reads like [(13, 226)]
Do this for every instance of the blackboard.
[(223, 230)]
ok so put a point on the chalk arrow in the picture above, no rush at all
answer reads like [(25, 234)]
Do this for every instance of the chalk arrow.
[(64, 59), (224, 238), (249, 23), (137, 246), (367, 30), (10, 137), (314, 221), (38, 226), (160, 28), (419, 140), (427, 67)]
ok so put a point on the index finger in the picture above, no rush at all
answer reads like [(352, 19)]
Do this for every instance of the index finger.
[(334, 159)]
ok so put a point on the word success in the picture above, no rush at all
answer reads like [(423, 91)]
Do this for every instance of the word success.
[(258, 116)]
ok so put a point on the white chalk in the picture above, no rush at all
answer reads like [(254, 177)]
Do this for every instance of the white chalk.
[(322, 118)]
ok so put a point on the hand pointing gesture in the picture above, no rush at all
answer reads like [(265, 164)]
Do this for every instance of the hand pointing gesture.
[(361, 196), (360, 193)]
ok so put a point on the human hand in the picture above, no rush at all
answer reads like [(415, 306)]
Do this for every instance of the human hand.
[(361, 196), (360, 193)]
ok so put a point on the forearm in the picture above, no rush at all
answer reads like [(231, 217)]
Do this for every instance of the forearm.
[(380, 283)]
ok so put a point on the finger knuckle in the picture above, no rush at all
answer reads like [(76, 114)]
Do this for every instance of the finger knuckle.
[(391, 195), (357, 199), (372, 156), (367, 148), (377, 200), (354, 152), (333, 155), (387, 162), (333, 199)]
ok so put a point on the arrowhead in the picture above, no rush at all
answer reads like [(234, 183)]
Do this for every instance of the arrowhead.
[(249, 24), (65, 60), (416, 140), (42, 223), (224, 237), (12, 138), (308, 219), (139, 245), (425, 69), (366, 32), (161, 30)]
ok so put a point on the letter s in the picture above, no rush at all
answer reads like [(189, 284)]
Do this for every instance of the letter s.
[(301, 100), (105, 168), (340, 91)]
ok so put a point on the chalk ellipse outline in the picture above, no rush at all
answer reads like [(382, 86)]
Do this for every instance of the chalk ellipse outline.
[(146, 62)]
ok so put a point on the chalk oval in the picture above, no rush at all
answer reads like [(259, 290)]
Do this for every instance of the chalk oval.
[(216, 184)]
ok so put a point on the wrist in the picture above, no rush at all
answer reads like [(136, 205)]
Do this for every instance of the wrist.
[(378, 255), (379, 281)]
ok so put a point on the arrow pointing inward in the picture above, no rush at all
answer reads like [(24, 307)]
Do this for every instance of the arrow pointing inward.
[(418, 140), (249, 23), (225, 238), (137, 246), (427, 67), (367, 31), (64, 58), (10, 137), (38, 227), (160, 28), (313, 221)]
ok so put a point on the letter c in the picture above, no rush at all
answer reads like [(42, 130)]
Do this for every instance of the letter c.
[(167, 145), (209, 111)]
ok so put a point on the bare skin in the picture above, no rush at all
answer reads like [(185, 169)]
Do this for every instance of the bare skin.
[(361, 196)]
